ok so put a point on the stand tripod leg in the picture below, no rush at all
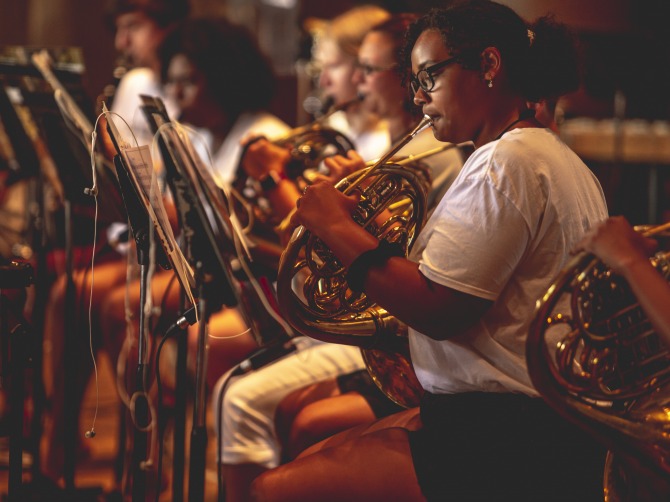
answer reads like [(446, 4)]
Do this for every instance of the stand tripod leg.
[(179, 423), (18, 344), (196, 473)]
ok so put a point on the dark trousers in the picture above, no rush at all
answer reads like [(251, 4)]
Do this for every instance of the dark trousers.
[(511, 447)]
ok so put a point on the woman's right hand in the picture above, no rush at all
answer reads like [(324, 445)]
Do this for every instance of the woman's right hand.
[(322, 207)]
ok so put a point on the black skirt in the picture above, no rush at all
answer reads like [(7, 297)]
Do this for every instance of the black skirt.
[(489, 446), (361, 382)]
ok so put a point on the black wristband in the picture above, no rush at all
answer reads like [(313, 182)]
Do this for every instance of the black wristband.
[(271, 180), (360, 267)]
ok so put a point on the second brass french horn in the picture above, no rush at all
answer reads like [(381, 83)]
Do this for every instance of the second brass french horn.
[(308, 145), (594, 357)]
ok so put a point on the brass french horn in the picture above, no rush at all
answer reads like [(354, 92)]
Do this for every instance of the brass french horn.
[(594, 357), (312, 288)]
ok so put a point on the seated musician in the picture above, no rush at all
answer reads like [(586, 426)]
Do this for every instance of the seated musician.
[(139, 27), (220, 111), (335, 54), (249, 442), (504, 229), (320, 410)]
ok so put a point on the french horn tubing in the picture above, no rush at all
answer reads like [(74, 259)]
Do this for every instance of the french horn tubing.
[(594, 356), (311, 285)]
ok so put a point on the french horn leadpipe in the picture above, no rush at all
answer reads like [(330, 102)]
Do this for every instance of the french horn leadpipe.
[(424, 155), (425, 122)]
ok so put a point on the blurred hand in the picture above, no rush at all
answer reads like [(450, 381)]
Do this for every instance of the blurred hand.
[(340, 167), (263, 156), (617, 244)]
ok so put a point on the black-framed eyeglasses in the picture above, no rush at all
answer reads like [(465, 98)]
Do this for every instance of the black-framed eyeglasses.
[(369, 69), (425, 79)]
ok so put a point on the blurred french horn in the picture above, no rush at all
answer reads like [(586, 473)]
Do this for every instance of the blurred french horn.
[(309, 145), (311, 285), (594, 357)]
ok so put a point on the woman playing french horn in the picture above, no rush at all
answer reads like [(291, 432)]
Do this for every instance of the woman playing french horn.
[(504, 229)]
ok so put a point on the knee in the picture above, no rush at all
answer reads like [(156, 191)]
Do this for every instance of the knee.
[(262, 488), (113, 310), (56, 302), (307, 429), (236, 405)]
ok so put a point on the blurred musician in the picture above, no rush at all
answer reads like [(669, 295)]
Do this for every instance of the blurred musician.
[(140, 26), (503, 230), (249, 444), (222, 111), (336, 55)]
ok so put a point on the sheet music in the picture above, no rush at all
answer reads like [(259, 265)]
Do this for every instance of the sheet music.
[(200, 175), (140, 167)]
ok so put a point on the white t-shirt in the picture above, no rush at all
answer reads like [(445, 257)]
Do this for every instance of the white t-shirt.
[(226, 159), (503, 232), (127, 103), (371, 143), (443, 166)]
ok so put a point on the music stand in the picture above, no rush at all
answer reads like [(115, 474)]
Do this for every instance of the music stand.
[(142, 200), (204, 229), (26, 133), (67, 148), (203, 213)]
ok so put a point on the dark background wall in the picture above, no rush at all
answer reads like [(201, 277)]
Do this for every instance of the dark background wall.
[(626, 45)]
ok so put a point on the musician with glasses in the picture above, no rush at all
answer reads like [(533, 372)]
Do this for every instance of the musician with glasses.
[(247, 438), (335, 54), (353, 398), (501, 233)]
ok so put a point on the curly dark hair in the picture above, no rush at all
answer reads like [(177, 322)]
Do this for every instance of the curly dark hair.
[(164, 12), (540, 63), (239, 75)]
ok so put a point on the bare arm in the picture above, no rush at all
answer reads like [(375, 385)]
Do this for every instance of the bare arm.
[(435, 310)]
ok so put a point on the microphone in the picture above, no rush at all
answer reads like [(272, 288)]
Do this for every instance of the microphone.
[(263, 356), (187, 319)]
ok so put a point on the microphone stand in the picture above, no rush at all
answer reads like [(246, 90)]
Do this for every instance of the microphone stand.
[(179, 425), (141, 228), (197, 456)]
